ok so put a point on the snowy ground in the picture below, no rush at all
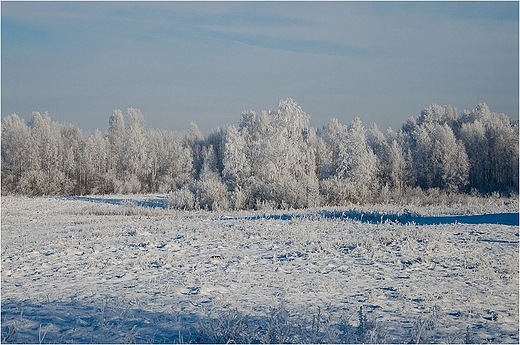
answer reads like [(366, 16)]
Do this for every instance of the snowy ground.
[(111, 270)]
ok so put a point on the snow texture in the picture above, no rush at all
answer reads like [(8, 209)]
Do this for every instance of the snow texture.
[(127, 269)]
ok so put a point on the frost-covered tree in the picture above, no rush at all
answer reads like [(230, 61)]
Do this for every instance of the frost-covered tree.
[(440, 161), (392, 165), (354, 179), (502, 138), (491, 142), (217, 140), (177, 162), (438, 114), (43, 176), (134, 141), (154, 148), (237, 165), (270, 159), (15, 152), (116, 140), (332, 135), (209, 190), (290, 151), (195, 139), (237, 171), (355, 160), (94, 163), (397, 167), (379, 144), (480, 112), (473, 135), (134, 152), (71, 157)]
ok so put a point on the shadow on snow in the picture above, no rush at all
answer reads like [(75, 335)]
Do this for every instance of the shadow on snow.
[(61, 322), (369, 217), (111, 321), (158, 202), (406, 218)]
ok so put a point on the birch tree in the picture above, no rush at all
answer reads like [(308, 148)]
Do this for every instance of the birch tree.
[(15, 152)]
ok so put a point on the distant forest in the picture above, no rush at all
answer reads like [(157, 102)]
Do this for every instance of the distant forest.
[(273, 159)]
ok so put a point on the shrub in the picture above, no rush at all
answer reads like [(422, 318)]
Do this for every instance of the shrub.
[(182, 199)]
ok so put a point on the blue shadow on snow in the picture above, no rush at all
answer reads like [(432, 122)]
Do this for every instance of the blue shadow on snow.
[(378, 218), (369, 217), (159, 202)]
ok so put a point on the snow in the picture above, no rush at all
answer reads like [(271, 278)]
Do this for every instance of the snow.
[(127, 269)]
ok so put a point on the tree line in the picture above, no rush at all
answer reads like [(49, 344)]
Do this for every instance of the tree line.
[(272, 159)]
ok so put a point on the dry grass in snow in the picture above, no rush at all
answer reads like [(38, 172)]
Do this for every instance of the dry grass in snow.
[(111, 271)]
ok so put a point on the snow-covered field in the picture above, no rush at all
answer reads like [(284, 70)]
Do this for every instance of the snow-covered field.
[(111, 270)]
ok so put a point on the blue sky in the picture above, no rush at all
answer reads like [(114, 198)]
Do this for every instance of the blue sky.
[(208, 61)]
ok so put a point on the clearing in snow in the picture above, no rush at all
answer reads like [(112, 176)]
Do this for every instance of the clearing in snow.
[(114, 269)]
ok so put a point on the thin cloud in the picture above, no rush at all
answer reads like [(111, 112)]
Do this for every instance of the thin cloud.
[(206, 62)]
